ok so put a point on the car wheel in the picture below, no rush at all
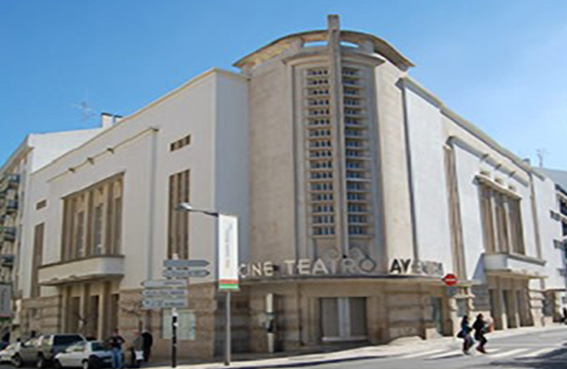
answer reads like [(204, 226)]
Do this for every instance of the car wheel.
[(86, 364), (17, 361), (57, 364)]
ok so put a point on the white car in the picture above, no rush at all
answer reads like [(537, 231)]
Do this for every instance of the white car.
[(86, 355), (7, 354)]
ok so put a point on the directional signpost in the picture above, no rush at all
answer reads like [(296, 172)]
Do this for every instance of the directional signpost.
[(172, 293)]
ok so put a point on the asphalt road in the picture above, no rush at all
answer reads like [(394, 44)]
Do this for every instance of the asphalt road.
[(540, 350), (543, 350)]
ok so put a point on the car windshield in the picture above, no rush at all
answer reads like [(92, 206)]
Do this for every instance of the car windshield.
[(66, 340), (97, 346)]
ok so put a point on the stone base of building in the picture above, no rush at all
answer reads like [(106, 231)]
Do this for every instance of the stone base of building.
[(293, 313)]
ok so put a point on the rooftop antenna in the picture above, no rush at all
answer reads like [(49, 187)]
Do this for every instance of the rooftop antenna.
[(86, 110), (540, 155)]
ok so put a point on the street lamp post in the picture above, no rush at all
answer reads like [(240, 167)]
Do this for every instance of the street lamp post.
[(186, 207)]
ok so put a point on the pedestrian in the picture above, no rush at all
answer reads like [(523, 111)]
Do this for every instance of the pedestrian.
[(147, 342), (480, 329), (465, 334), (565, 315), (115, 342), (136, 350)]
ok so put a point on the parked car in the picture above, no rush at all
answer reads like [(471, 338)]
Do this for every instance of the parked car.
[(86, 355), (25, 352), (8, 352), (50, 345)]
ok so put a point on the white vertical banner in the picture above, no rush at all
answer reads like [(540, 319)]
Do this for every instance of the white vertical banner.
[(228, 252)]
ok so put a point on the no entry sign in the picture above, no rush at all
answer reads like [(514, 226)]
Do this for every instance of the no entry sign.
[(450, 279)]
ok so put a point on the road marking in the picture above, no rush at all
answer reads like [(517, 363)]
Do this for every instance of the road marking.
[(423, 353), (508, 353), (538, 352), (445, 354)]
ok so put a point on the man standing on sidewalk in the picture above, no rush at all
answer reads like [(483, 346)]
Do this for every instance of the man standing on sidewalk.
[(480, 329)]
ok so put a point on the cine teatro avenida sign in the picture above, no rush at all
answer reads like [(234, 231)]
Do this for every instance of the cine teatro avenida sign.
[(355, 264)]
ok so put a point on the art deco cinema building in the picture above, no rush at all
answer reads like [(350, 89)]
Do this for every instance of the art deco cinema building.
[(356, 189), (365, 190)]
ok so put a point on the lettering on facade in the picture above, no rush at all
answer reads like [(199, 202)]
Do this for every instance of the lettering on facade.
[(356, 263), (416, 267)]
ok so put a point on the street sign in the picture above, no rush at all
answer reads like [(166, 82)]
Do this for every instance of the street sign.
[(450, 279), (164, 292), (184, 273), (164, 304), (161, 283), (185, 263)]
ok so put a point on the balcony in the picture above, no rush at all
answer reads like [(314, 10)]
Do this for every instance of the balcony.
[(7, 261), (9, 181), (8, 233), (502, 264), (92, 268)]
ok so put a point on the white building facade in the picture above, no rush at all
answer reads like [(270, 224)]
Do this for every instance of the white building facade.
[(357, 190)]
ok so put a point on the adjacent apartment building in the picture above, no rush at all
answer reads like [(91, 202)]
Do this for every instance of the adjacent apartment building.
[(356, 188)]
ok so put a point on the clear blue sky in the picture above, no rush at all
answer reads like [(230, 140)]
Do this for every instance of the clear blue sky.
[(500, 64)]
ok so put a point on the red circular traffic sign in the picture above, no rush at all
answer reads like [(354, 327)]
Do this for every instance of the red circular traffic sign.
[(450, 279)]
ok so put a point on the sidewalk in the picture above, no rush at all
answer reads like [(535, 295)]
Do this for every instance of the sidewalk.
[(309, 358)]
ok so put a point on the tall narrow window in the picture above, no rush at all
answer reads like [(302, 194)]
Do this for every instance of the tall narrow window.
[(98, 230), (501, 222), (516, 227), (178, 239), (80, 235), (487, 218), (37, 258), (117, 228)]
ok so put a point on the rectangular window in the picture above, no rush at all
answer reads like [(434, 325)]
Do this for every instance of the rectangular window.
[(502, 222), (178, 227), (185, 141), (37, 258), (98, 230), (92, 220)]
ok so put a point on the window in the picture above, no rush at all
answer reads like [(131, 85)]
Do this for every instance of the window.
[(185, 141), (37, 258), (502, 221), (41, 204), (92, 220), (178, 227)]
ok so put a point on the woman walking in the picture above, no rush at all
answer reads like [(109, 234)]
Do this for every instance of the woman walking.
[(480, 329), (465, 334)]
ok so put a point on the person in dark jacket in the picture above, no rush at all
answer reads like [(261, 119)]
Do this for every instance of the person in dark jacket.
[(115, 342), (465, 334), (480, 328), (147, 342)]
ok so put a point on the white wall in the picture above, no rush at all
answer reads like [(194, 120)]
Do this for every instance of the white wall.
[(145, 158), (426, 141)]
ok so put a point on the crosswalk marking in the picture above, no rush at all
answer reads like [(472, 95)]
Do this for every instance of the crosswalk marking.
[(445, 354), (508, 353), (493, 353), (424, 353), (538, 352)]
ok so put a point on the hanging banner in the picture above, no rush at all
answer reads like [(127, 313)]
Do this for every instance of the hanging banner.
[(228, 252)]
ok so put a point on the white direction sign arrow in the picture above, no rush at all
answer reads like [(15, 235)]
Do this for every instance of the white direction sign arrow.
[(164, 304), (185, 263), (165, 292), (199, 273), (161, 283)]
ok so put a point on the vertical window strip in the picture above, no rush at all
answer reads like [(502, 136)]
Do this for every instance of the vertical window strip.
[(37, 258)]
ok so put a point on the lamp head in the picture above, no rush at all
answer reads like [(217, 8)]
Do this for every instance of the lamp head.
[(184, 206)]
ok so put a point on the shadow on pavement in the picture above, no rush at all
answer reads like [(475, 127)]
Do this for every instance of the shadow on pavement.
[(556, 359), (310, 363)]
